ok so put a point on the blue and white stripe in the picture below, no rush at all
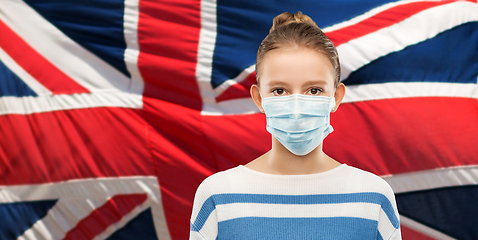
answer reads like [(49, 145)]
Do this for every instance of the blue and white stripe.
[(362, 214)]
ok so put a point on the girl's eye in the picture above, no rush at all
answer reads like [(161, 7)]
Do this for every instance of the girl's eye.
[(278, 91), (315, 91)]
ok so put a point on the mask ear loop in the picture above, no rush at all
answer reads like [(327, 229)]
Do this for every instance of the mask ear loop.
[(333, 107), (262, 100), (262, 107)]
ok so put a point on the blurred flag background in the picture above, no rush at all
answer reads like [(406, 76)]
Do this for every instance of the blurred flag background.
[(113, 111)]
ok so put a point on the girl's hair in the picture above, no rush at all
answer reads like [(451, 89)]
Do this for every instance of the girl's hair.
[(297, 30)]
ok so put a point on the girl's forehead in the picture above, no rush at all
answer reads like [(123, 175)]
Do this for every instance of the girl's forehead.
[(296, 66)]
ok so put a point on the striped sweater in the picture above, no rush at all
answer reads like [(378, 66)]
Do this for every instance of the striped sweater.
[(342, 203)]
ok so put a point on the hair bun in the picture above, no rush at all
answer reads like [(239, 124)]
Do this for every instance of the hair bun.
[(288, 18)]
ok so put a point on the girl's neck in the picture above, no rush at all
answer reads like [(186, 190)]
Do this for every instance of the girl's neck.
[(281, 161)]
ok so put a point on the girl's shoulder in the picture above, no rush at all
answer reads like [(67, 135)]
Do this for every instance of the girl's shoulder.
[(219, 182), (358, 180), (222, 177)]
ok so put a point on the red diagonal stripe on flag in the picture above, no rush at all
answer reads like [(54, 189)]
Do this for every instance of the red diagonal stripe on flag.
[(380, 20), (106, 215), (239, 90), (408, 233), (36, 65)]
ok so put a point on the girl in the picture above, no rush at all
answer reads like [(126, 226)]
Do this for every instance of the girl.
[(295, 191)]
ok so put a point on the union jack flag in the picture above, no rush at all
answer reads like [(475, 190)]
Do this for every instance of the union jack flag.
[(113, 111)]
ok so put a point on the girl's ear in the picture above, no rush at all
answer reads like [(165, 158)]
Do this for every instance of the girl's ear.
[(256, 96), (339, 95)]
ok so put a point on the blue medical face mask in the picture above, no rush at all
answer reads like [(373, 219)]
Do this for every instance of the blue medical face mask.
[(300, 122)]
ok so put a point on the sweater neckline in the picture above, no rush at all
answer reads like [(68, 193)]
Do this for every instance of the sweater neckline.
[(343, 165)]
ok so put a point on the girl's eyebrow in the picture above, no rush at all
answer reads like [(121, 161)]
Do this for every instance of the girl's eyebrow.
[(314, 82), (278, 83)]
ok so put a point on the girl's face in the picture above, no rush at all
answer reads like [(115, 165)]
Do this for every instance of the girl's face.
[(287, 71)]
